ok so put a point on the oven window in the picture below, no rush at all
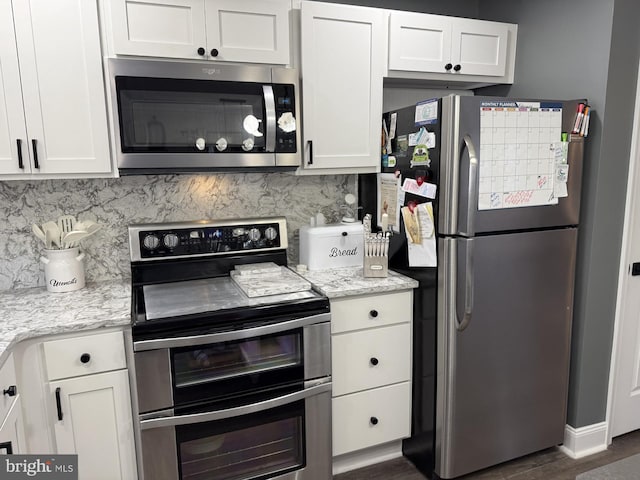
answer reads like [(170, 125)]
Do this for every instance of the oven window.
[(190, 116), (254, 446), (220, 361)]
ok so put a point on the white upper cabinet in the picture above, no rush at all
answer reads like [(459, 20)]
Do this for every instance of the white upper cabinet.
[(453, 48), (253, 31), (53, 116), (342, 66)]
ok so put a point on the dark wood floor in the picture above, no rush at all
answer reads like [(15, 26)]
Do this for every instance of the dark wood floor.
[(550, 464)]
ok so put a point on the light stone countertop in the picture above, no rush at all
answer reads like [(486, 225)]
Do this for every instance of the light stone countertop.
[(348, 281), (33, 312)]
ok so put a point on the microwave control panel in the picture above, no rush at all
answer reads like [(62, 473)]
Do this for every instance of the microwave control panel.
[(285, 118)]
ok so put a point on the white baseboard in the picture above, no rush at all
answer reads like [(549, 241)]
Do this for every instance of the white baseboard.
[(366, 457), (584, 441)]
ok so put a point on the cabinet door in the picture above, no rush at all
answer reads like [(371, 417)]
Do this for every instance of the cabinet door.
[(12, 430), (479, 47), (419, 43), (248, 30), (12, 126), (342, 54), (62, 84), (158, 28), (96, 424)]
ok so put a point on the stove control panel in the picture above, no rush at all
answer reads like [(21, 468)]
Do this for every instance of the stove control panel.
[(156, 241)]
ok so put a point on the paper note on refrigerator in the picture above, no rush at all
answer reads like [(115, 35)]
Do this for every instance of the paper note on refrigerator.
[(423, 254), (517, 161), (390, 197)]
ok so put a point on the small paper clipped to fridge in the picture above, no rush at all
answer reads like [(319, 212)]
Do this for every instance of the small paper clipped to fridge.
[(420, 231)]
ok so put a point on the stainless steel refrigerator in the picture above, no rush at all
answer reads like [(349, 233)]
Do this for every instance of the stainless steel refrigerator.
[(492, 321)]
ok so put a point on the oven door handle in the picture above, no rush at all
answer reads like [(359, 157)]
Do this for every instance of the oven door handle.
[(235, 411), (229, 336)]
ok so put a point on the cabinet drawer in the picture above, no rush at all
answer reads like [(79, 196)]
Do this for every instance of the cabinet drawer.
[(370, 358), (365, 419), (7, 379), (73, 357), (356, 313)]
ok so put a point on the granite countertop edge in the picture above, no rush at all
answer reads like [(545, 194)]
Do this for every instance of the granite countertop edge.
[(349, 281), (34, 312)]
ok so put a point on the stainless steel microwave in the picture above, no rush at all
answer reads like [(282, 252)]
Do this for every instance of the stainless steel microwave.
[(178, 117)]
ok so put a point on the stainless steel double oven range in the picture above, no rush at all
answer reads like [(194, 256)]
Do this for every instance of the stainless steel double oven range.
[(226, 386)]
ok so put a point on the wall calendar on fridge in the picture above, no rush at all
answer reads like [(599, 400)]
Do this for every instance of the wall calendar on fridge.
[(517, 166)]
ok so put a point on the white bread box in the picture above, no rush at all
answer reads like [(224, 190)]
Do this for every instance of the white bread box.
[(332, 246)]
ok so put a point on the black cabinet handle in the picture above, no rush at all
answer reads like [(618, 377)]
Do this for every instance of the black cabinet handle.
[(20, 163), (214, 52), (373, 420), (448, 67), (59, 403), (635, 269), (11, 391), (201, 51), (373, 313), (373, 361), (310, 162), (457, 68), (85, 358), (34, 143)]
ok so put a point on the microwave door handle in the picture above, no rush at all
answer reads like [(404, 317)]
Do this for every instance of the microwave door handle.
[(242, 334), (270, 109), (235, 411)]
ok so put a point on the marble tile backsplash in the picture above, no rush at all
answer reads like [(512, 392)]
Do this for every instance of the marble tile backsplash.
[(116, 203)]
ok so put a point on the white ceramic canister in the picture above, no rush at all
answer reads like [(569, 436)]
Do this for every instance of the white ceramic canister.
[(63, 269)]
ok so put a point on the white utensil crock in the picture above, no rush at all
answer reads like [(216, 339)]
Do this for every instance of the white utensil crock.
[(63, 269)]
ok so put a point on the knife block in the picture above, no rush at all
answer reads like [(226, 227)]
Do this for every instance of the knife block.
[(376, 263)]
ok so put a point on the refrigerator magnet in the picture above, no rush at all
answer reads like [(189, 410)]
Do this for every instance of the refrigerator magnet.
[(420, 156)]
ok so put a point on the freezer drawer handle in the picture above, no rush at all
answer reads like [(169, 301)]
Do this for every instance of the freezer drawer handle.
[(472, 193)]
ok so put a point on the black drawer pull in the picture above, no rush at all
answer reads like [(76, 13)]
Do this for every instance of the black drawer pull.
[(373, 420), (59, 404), (214, 52), (374, 361), (11, 391), (201, 51), (373, 313), (85, 358)]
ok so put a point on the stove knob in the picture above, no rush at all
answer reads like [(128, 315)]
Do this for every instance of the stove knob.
[(254, 234), (271, 233), (170, 240), (151, 242)]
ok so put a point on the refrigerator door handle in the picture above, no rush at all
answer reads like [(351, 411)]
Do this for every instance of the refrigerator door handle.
[(472, 193), (468, 274)]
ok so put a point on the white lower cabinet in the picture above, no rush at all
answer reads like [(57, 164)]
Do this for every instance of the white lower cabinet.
[(94, 421), (372, 417), (371, 344), (12, 430), (89, 404), (11, 424)]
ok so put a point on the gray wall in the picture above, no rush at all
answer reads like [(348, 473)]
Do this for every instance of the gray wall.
[(574, 49)]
